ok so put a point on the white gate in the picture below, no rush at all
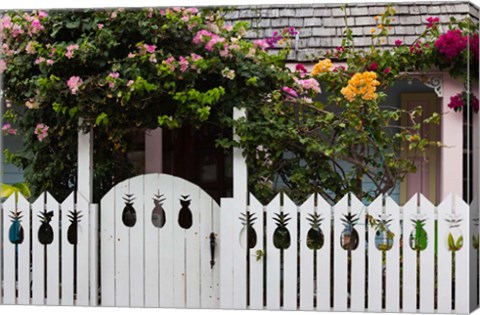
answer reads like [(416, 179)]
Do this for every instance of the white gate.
[(159, 244)]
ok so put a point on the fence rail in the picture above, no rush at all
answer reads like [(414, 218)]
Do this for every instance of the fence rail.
[(349, 256)]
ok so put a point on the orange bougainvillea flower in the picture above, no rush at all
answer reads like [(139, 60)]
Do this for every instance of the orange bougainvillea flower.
[(373, 30), (322, 66), (361, 85)]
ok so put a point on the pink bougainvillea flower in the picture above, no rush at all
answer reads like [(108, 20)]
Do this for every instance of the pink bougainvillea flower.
[(451, 43), (41, 130), (290, 91), (3, 66), (183, 64), (310, 84), (17, 30), (42, 14), (261, 43), (114, 75), (398, 42), (8, 130), (100, 25), (387, 70), (70, 50), (6, 22), (49, 62), (301, 68), (228, 27), (373, 66), (130, 83), (150, 48), (170, 63), (195, 57), (456, 102), (131, 55), (74, 83), (432, 21), (36, 26)]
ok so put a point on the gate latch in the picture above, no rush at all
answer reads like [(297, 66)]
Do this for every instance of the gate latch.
[(212, 250)]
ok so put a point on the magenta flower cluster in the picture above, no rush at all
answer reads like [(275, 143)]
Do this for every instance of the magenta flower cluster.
[(451, 43), (457, 102)]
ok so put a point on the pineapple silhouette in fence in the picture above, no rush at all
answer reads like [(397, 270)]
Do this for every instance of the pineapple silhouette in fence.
[(281, 235), (72, 233), (158, 214), (15, 233), (248, 220), (383, 235), (45, 232), (349, 239), (315, 237), (454, 237), (185, 218), (129, 215), (418, 237)]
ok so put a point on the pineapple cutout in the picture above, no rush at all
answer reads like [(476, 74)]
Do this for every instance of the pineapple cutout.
[(418, 236), (454, 237), (158, 214), (129, 215), (349, 238), (185, 219), (475, 238), (72, 232), (281, 235), (45, 232), (15, 233), (315, 237), (383, 235), (248, 220)]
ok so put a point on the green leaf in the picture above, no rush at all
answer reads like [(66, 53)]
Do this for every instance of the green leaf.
[(102, 119), (451, 242), (459, 243)]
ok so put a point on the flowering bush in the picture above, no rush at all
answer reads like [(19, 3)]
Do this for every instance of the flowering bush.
[(120, 72)]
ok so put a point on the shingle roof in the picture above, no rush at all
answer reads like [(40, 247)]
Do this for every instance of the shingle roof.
[(321, 26)]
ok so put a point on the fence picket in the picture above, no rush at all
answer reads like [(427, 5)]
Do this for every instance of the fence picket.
[(358, 258), (107, 246), (340, 292), (83, 252), (227, 223), (273, 257), (290, 270), (409, 292), (197, 206), (179, 240), (375, 267), (444, 260), (324, 270), (427, 275), (392, 286), (462, 259), (239, 241), (9, 249), (307, 279), (38, 254), (137, 241), (207, 292), (122, 248), (24, 253), (152, 241), (53, 254), (256, 263), (165, 244), (68, 206)]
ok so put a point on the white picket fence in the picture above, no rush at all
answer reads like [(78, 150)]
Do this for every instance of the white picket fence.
[(260, 275), (421, 258), (44, 261)]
